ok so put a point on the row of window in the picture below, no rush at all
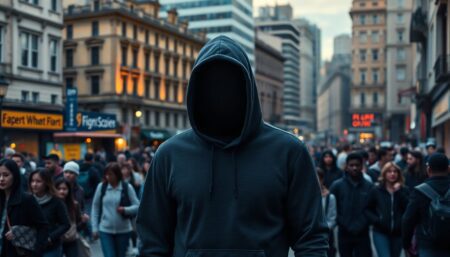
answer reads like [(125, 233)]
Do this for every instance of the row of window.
[(400, 75), (170, 119), (53, 4), (375, 36), (1, 43), (362, 99), (376, 19), (30, 51), (401, 54), (35, 97), (205, 3)]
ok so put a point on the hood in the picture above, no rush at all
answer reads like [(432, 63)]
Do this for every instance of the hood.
[(322, 162), (222, 99)]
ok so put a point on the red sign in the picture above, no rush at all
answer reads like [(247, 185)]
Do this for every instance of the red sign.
[(362, 120)]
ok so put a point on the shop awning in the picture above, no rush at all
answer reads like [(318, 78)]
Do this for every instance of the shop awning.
[(86, 134)]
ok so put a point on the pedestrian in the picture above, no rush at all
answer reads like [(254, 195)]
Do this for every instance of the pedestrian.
[(52, 165), (386, 206), (329, 167), (232, 185), (416, 171), (428, 206), (43, 190), (15, 209), (402, 163), (373, 156), (112, 211), (342, 156), (69, 239), (329, 205), (431, 149), (19, 159), (71, 172), (383, 156), (351, 192), (131, 177)]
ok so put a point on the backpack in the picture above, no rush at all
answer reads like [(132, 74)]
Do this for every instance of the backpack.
[(124, 200), (438, 228)]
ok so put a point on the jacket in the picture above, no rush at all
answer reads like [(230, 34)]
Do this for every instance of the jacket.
[(57, 216), (247, 189), (416, 215), (385, 210), (351, 200)]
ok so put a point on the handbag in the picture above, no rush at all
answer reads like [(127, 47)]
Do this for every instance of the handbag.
[(84, 250), (71, 234), (24, 238)]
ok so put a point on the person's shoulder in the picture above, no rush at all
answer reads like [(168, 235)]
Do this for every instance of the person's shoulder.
[(176, 142), (279, 136)]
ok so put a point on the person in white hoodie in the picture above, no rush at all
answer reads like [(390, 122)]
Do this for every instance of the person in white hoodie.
[(114, 205)]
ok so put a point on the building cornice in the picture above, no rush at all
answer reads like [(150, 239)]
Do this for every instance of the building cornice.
[(11, 11)]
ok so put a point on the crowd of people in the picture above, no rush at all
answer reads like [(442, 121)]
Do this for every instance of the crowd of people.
[(372, 195)]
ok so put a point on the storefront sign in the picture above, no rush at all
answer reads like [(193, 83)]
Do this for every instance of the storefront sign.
[(71, 109), (157, 134), (441, 107), (91, 121), (31, 120), (363, 120)]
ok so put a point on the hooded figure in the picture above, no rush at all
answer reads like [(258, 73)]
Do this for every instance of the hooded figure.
[(233, 185)]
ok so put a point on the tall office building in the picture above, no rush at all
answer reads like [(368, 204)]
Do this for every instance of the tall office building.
[(230, 18), (368, 88)]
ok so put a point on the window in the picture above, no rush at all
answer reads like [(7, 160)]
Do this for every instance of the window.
[(95, 28), (147, 118), (35, 97), (69, 58), (1, 43), (400, 3), (375, 19), (375, 37), (135, 32), (175, 48), (124, 115), (167, 43), (375, 54), (147, 35), (124, 56), (183, 69), (401, 73), (147, 61), (147, 89), (35, 2), (95, 55), (362, 19), (362, 37), (135, 58), (185, 121), (167, 119), (54, 5), (156, 56), (375, 76), (135, 87), (95, 85), (29, 46), (175, 119), (400, 35), (362, 74), (96, 5), (363, 99), (167, 65), (25, 95), (157, 39), (157, 118), (400, 18), (175, 68), (401, 54), (53, 54), (124, 29), (362, 55), (157, 85), (53, 99), (124, 84), (69, 82), (375, 98), (69, 31), (175, 93)]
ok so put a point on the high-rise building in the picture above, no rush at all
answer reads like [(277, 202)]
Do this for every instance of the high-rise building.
[(30, 65), (230, 18), (342, 45), (342, 54), (125, 60), (399, 68), (368, 90)]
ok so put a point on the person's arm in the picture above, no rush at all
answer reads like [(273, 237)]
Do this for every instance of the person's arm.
[(63, 221), (334, 190), (96, 209), (332, 213), (361, 222), (410, 219), (40, 223), (307, 227), (156, 218), (370, 210), (133, 208)]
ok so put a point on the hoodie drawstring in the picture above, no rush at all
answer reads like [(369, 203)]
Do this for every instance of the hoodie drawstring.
[(211, 174), (236, 187)]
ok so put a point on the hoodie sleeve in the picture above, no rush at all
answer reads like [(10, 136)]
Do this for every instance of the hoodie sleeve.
[(157, 214), (308, 231)]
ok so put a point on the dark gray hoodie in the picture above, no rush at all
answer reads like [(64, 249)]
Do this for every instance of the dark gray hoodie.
[(232, 185)]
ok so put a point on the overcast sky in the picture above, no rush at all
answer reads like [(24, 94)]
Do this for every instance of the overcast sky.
[(330, 15)]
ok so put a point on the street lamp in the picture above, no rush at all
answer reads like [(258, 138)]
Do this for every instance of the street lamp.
[(3, 88)]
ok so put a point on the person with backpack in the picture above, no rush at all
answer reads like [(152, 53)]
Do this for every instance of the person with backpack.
[(329, 206), (429, 211), (386, 206), (115, 204)]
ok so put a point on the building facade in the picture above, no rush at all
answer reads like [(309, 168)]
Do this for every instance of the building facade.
[(269, 76), (399, 68), (368, 90), (230, 18), (30, 64), (124, 59)]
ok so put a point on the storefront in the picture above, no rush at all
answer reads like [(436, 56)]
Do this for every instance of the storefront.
[(28, 131), (365, 127), (440, 122), (154, 137)]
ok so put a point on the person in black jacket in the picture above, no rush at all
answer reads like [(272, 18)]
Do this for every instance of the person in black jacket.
[(328, 165), (416, 172), (417, 212), (386, 205), (19, 206), (351, 192), (41, 185)]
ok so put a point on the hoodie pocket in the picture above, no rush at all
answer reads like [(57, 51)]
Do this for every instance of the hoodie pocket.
[(224, 253)]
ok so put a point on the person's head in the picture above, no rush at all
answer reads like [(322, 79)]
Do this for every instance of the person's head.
[(9, 152), (373, 156), (437, 165), (121, 158), (89, 157), (404, 152), (346, 148), (391, 174), (40, 183), (354, 165), (127, 170), (71, 171), (440, 150), (414, 159), (52, 162), (113, 173), (134, 164), (431, 148), (19, 159), (146, 167), (63, 189), (383, 156), (327, 160), (10, 178), (364, 154)]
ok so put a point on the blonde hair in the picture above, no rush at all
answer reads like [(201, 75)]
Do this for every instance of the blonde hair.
[(386, 168)]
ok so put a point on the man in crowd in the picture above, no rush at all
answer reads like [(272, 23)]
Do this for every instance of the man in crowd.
[(351, 192), (52, 164), (384, 156), (402, 163)]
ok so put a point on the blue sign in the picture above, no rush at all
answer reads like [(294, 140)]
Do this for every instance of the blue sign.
[(93, 121), (71, 109)]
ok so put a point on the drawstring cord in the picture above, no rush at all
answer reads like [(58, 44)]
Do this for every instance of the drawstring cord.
[(211, 173), (236, 187)]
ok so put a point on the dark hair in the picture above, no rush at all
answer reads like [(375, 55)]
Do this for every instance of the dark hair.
[(69, 200), (114, 167), (322, 159), (382, 152), (364, 154), (419, 168), (440, 150), (134, 164), (22, 158), (88, 157), (46, 175), (373, 150), (346, 147), (404, 150), (354, 156), (15, 171)]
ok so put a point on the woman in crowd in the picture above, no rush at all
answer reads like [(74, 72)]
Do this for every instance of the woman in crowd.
[(386, 204), (114, 205), (65, 193), (129, 176), (16, 207), (416, 171), (329, 167), (43, 190)]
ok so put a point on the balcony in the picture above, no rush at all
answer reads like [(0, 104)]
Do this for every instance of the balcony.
[(442, 68), (418, 26)]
